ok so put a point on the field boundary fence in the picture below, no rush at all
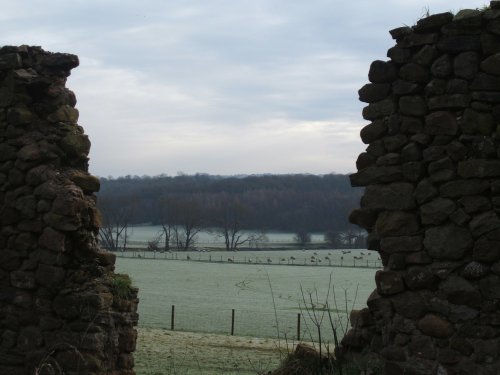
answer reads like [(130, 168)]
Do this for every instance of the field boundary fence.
[(241, 258), (292, 325)]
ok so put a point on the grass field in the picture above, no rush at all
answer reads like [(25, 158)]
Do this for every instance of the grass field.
[(205, 293), (261, 295)]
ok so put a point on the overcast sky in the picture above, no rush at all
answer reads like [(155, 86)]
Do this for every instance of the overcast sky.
[(218, 86)]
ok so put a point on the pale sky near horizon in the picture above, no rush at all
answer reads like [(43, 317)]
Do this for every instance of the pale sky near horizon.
[(218, 86)]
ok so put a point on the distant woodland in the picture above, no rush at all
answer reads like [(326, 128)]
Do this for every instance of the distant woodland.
[(300, 203)]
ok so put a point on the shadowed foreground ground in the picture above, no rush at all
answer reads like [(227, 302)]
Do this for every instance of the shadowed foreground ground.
[(161, 352)]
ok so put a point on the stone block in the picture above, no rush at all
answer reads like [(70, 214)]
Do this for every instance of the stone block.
[(419, 278), (401, 244), (389, 282), (382, 72), (435, 326), (436, 211), (414, 105), (374, 92), (441, 123), (376, 175), (414, 73), (379, 109), (396, 223), (459, 188), (459, 291), (393, 196), (373, 131), (447, 242)]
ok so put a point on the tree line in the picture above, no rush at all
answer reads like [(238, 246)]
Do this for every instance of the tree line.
[(185, 204)]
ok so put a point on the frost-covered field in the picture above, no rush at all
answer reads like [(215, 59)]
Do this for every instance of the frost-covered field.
[(205, 293)]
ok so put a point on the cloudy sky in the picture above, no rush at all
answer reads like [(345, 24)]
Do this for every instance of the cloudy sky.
[(218, 86)]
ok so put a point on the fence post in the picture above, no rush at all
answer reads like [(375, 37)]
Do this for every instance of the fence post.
[(232, 322), (172, 318), (298, 327)]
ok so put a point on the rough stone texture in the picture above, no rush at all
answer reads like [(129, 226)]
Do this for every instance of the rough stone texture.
[(432, 199), (59, 309)]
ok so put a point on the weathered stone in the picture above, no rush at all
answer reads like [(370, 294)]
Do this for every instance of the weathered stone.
[(452, 101), (409, 304), (363, 217), (425, 56), (483, 223), (457, 86), (436, 211), (399, 55), (396, 223), (29, 338), (459, 43), (433, 22), (458, 188), (479, 168), (411, 152), (412, 171), (415, 40), (395, 196), (475, 204), (442, 67), (414, 73), (435, 326), (376, 148), (413, 106), (374, 92), (441, 123), (485, 82), (391, 158), (401, 244), (379, 109), (474, 270), (382, 72), (419, 278), (441, 170), (365, 160), (422, 347), (85, 181), (466, 65), (460, 291), (389, 282), (401, 87), (395, 142), (473, 122), (52, 240), (22, 280), (447, 242), (435, 87), (49, 276), (425, 191), (373, 131), (490, 287), (411, 125), (491, 65), (375, 175)]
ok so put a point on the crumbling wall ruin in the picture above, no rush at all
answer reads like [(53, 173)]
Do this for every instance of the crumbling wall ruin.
[(432, 199), (62, 309)]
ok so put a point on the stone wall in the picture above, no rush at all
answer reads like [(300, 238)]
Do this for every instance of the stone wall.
[(432, 199), (62, 309)]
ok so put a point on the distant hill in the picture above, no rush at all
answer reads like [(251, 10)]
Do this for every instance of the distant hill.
[(315, 203)]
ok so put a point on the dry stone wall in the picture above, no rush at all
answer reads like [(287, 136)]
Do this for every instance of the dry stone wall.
[(62, 309), (432, 199)]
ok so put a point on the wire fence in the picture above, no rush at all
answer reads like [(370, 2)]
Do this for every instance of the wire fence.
[(263, 259), (301, 324)]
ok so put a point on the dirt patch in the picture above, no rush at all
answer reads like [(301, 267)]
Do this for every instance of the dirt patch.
[(161, 352)]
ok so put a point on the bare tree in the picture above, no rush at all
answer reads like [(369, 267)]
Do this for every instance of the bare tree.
[(188, 219), (116, 213), (166, 207), (302, 237)]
